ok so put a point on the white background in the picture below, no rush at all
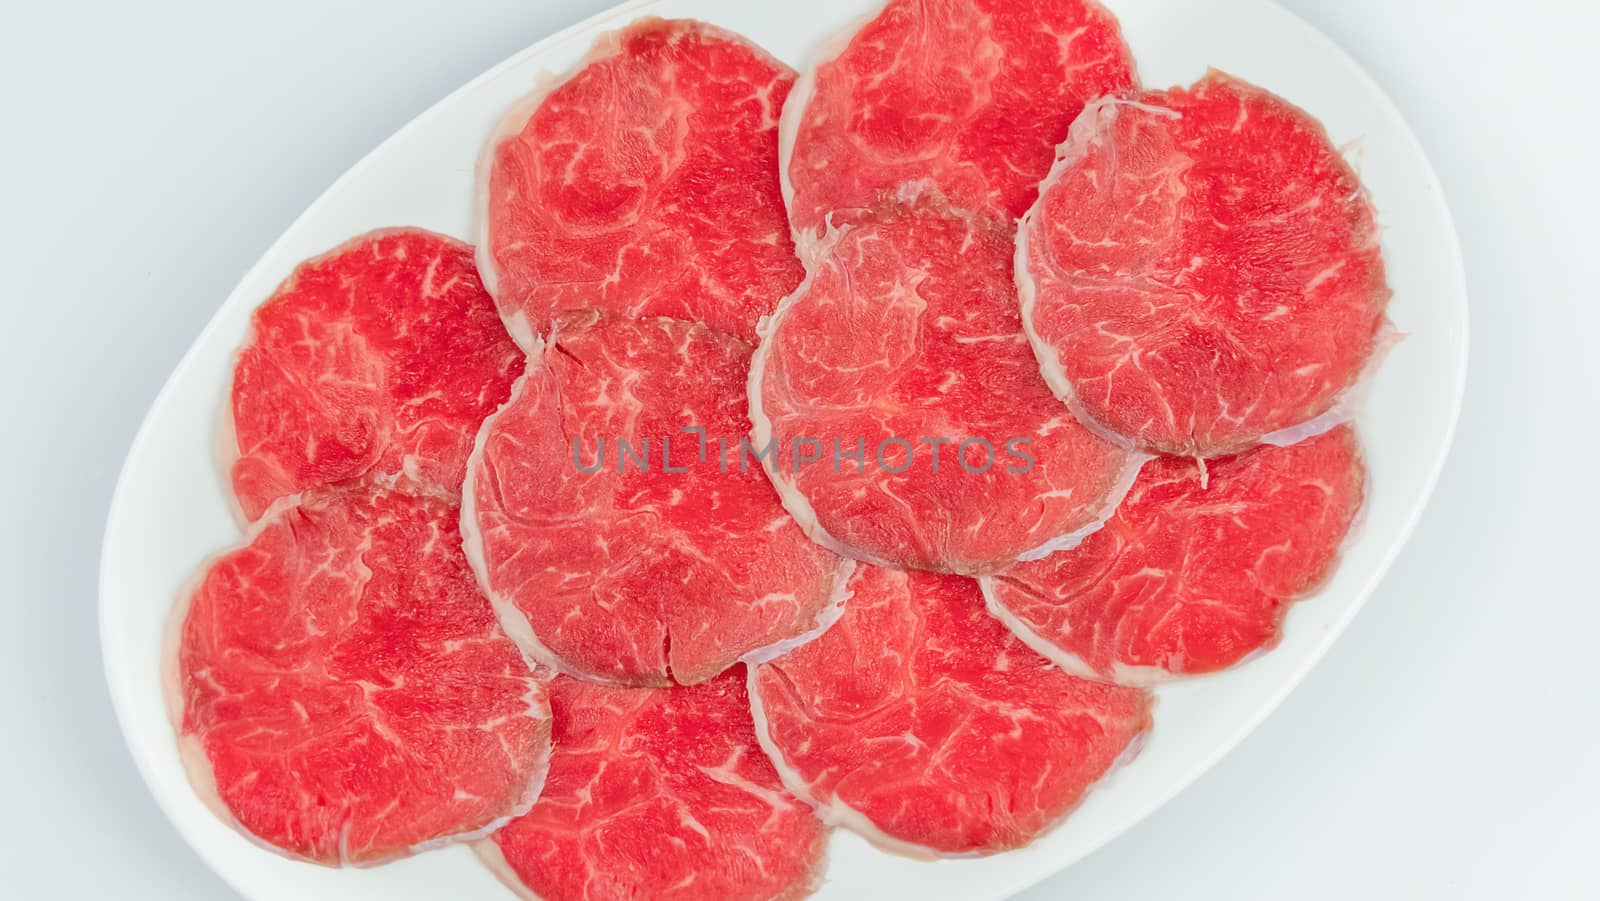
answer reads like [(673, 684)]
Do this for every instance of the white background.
[(1449, 746)]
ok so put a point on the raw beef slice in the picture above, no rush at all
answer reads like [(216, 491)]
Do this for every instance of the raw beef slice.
[(1196, 570), (902, 415), (610, 559), (375, 362), (659, 793), (645, 184), (343, 693), (968, 96), (921, 723), (1201, 271)]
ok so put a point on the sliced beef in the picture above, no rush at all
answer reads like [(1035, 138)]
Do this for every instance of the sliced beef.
[(921, 723), (969, 97), (645, 183), (1195, 571), (373, 363), (1202, 271), (617, 526), (661, 794), (343, 693), (903, 416)]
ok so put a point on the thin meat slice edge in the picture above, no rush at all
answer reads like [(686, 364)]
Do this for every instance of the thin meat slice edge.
[(924, 726), (526, 723), (1117, 418), (611, 521), (1198, 568), (1072, 461), (659, 793), (732, 297), (373, 362), (1012, 31)]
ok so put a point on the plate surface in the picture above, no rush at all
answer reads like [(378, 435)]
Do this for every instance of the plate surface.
[(169, 510)]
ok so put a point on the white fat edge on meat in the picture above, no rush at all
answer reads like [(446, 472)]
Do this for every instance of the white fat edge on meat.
[(1352, 534), (1090, 124), (172, 632), (826, 617), (835, 812), (1096, 117), (1128, 755), (1108, 508), (488, 852), (523, 803), (225, 446), (719, 33), (607, 45), (796, 503), (511, 123), (831, 811), (1068, 662), (828, 50), (1140, 677), (807, 245), (512, 620), (202, 778), (191, 751), (1152, 676), (1349, 401), (538, 709), (909, 194), (1358, 522), (198, 768)]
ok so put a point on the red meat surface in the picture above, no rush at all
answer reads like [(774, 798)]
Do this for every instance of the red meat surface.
[(905, 335), (967, 96), (1195, 571), (651, 567), (343, 693), (375, 362), (1202, 270), (644, 184), (920, 722), (662, 794)]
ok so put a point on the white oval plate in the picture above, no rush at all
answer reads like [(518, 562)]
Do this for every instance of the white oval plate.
[(168, 511)]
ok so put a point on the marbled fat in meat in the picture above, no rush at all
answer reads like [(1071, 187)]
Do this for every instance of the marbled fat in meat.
[(373, 363), (1197, 568), (343, 693), (1202, 271), (643, 184), (921, 723), (967, 97), (659, 793), (668, 559), (904, 347)]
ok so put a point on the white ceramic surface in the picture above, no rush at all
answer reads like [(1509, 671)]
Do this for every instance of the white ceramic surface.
[(169, 510)]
